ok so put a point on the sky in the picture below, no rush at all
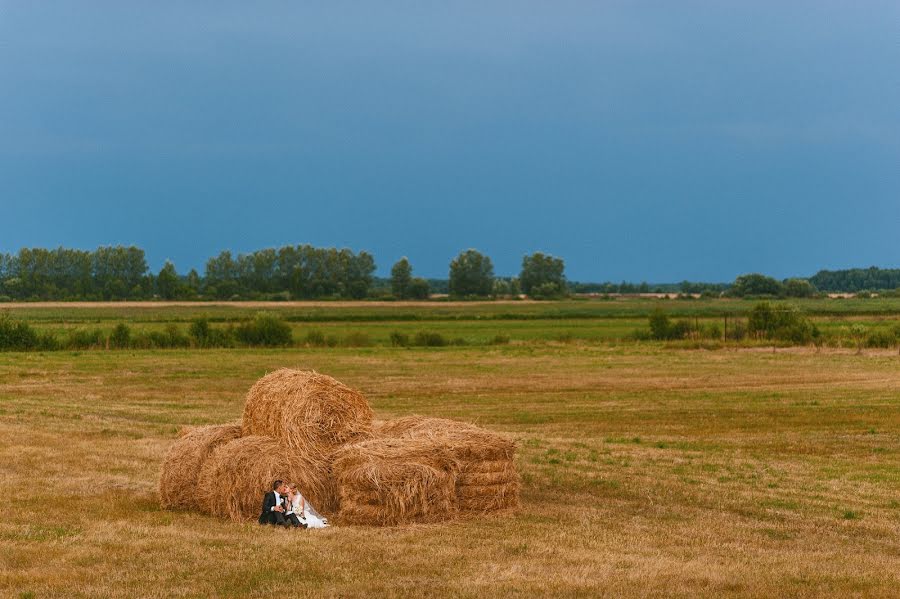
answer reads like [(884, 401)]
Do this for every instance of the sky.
[(656, 141)]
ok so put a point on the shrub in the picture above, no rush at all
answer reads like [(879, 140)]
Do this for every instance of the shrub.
[(169, 337), (85, 339), (120, 337), (199, 332), (680, 329), (357, 339), (880, 338), (203, 335), (500, 339), (315, 338), (659, 325), (784, 323), (16, 334), (399, 339), (429, 339), (265, 330)]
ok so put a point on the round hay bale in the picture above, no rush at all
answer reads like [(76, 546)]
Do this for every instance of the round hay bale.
[(236, 476), (388, 481), (182, 464), (466, 441), (307, 411)]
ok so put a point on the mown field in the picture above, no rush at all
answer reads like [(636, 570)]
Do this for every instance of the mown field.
[(649, 470)]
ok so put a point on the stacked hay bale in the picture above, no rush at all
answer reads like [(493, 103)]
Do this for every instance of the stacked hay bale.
[(181, 468), (389, 481), (232, 481), (487, 478), (305, 427), (293, 423)]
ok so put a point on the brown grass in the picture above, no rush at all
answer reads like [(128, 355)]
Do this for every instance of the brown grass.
[(238, 474), (307, 411), (389, 481), (181, 467)]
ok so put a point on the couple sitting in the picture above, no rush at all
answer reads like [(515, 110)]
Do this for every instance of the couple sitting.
[(285, 506)]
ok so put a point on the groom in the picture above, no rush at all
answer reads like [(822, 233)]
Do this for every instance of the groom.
[(274, 508)]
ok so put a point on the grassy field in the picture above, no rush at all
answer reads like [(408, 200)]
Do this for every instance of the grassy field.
[(648, 470), (476, 323)]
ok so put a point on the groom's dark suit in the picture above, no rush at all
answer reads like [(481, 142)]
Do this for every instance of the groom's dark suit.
[(268, 516)]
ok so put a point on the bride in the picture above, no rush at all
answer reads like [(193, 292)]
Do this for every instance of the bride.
[(304, 510)]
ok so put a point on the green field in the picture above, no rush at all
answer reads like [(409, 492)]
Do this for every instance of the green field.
[(477, 323), (648, 469)]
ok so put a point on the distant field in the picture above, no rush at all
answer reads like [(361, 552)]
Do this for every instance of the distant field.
[(467, 322), (648, 470)]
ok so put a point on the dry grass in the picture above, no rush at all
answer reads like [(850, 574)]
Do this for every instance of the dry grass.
[(309, 412), (645, 473)]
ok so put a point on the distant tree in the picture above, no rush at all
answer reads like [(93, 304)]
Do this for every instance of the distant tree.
[(756, 285), (167, 283), (799, 288), (419, 288), (401, 277), (542, 275), (193, 282), (471, 274)]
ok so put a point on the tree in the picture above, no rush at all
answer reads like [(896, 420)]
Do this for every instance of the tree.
[(799, 288), (193, 282), (401, 276), (755, 285), (471, 274), (542, 275), (167, 283), (419, 289)]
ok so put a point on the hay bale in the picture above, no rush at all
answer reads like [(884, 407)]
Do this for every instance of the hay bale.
[(307, 411), (467, 441), (238, 474), (180, 469), (488, 479), (388, 481), (480, 479)]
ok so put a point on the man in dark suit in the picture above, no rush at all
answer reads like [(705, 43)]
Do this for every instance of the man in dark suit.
[(274, 505)]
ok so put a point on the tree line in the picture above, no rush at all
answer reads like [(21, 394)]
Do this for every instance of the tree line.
[(307, 272), (289, 272)]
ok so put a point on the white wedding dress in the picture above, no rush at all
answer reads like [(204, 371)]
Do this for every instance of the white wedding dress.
[(309, 515)]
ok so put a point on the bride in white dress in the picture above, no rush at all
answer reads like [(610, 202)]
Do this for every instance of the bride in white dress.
[(304, 510)]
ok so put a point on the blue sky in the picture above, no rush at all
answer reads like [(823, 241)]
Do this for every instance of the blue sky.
[(653, 141)]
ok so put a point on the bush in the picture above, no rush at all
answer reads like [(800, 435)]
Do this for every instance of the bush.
[(782, 323), (265, 330), (500, 339), (16, 334), (660, 327), (680, 329), (169, 337), (883, 339), (429, 339), (399, 339), (315, 338), (85, 339), (357, 339), (204, 336), (120, 338)]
